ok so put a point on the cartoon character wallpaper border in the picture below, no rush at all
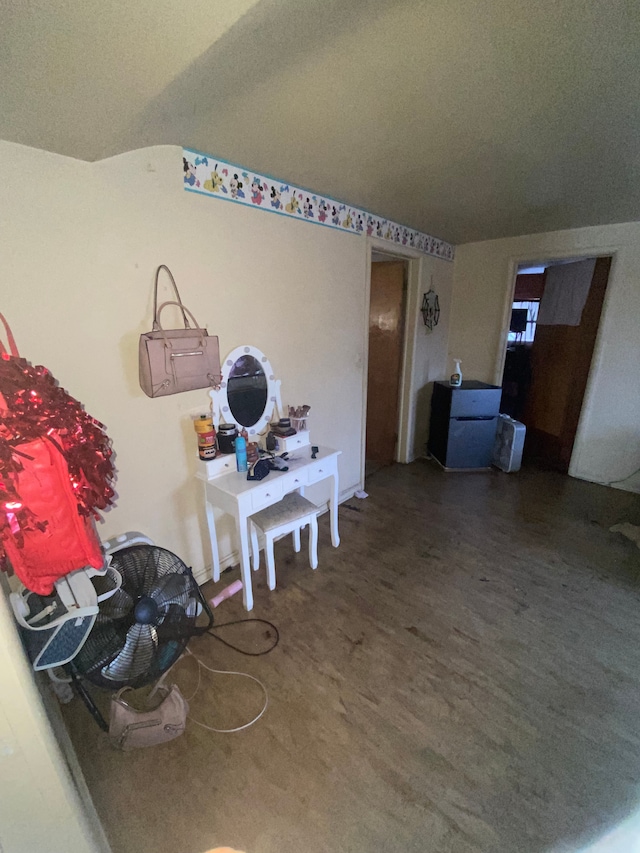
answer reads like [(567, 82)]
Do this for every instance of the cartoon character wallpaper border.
[(220, 179)]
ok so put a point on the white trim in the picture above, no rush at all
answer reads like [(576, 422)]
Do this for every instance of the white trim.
[(501, 355), (405, 411), (598, 348), (365, 364), (220, 400), (404, 252), (583, 252)]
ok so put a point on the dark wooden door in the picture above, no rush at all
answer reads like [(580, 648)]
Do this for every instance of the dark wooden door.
[(560, 362), (386, 338)]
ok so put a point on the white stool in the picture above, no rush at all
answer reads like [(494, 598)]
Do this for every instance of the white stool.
[(289, 515)]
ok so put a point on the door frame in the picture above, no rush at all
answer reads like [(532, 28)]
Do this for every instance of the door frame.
[(406, 413), (516, 261)]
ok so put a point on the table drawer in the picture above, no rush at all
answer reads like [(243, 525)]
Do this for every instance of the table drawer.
[(319, 470), (292, 442), (297, 479), (262, 496)]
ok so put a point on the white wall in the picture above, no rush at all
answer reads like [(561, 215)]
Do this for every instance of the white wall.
[(79, 245), (40, 809), (430, 352), (607, 446)]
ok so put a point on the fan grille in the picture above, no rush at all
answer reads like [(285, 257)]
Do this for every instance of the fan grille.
[(121, 651)]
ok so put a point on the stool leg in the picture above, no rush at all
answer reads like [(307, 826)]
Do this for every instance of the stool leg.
[(271, 563), (313, 542), (296, 540), (255, 551)]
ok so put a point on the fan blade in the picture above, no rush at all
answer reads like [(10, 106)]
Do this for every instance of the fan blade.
[(142, 566), (171, 589), (175, 625), (117, 605), (103, 643), (137, 655), (138, 567)]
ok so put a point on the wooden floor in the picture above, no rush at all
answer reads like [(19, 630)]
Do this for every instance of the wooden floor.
[(462, 674)]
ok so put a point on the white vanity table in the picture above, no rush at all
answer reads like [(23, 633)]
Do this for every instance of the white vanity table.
[(247, 397)]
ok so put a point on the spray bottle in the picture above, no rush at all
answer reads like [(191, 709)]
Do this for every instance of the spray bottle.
[(456, 376), (241, 454)]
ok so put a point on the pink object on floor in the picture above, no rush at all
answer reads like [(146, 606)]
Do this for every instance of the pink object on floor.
[(227, 592)]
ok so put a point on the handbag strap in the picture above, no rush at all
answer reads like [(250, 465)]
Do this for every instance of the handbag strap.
[(161, 688), (156, 324), (121, 692), (184, 308), (10, 339)]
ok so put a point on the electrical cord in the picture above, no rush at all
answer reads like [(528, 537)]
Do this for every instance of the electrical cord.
[(202, 665), (211, 633), (623, 479), (59, 681)]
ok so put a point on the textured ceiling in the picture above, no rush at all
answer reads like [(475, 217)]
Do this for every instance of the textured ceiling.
[(467, 120)]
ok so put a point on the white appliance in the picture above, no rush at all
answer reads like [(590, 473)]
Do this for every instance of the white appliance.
[(507, 450)]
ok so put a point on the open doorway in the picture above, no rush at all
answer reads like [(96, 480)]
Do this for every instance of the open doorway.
[(554, 323), (387, 308)]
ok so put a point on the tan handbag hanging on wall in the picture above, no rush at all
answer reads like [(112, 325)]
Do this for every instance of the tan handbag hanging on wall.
[(175, 360)]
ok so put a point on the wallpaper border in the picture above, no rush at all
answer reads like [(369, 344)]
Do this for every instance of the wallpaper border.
[(227, 181)]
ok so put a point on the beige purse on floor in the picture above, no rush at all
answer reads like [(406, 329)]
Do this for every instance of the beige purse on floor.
[(130, 727)]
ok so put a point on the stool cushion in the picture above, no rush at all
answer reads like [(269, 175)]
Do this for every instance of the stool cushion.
[(290, 508)]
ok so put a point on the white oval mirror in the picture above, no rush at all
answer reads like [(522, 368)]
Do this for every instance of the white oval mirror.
[(248, 390)]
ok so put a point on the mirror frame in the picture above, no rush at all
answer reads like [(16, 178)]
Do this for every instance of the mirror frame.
[(221, 409)]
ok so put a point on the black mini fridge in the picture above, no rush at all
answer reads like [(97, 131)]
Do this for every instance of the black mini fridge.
[(463, 424)]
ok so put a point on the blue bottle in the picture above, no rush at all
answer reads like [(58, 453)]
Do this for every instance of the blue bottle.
[(241, 454)]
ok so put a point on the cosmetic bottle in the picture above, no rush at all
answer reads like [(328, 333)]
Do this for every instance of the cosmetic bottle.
[(241, 454)]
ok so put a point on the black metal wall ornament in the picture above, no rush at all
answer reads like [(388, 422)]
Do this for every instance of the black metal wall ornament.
[(430, 309)]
